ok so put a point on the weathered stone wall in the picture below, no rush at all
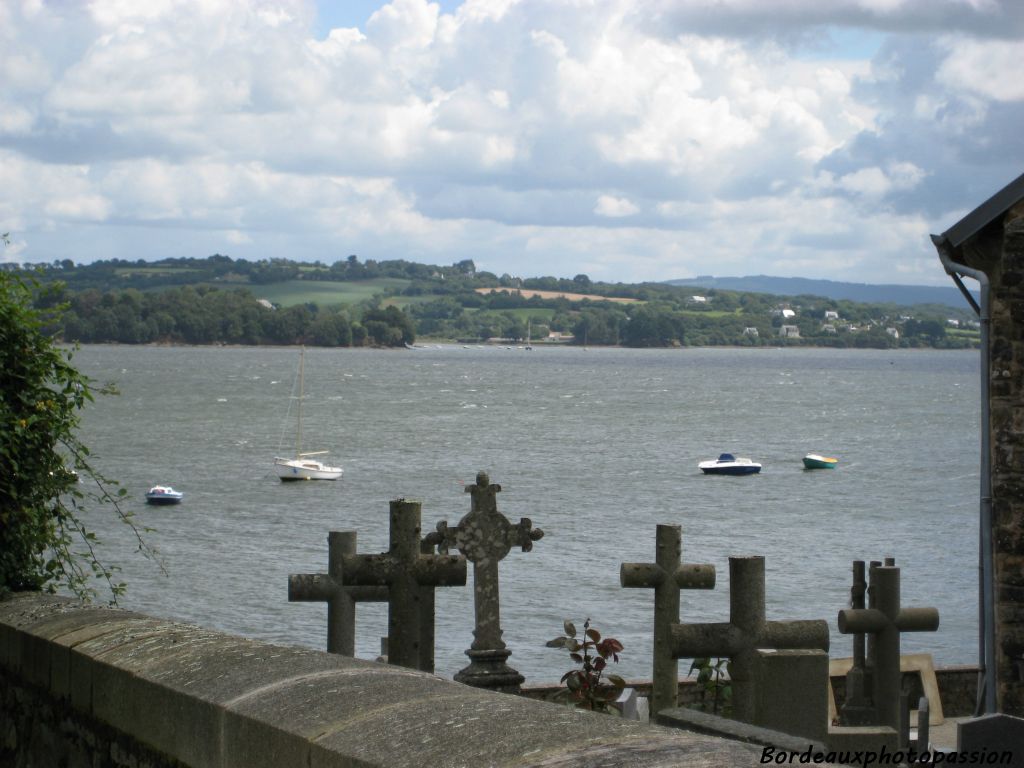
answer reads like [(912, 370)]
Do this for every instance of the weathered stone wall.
[(84, 686), (1006, 273), (997, 249)]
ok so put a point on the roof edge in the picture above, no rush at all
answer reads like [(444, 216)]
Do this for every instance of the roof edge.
[(985, 214)]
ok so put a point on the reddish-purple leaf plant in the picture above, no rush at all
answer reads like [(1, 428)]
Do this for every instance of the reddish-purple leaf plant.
[(589, 686)]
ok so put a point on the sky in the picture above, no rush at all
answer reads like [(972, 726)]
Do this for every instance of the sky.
[(627, 140)]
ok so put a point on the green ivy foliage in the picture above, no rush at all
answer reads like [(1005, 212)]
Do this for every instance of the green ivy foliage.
[(45, 474)]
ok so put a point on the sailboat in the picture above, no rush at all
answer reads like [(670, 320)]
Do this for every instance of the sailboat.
[(302, 467), (529, 346)]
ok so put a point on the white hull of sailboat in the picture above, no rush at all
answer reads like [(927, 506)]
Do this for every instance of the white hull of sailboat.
[(305, 469), (302, 467)]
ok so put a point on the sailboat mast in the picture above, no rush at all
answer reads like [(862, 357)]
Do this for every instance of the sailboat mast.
[(298, 431)]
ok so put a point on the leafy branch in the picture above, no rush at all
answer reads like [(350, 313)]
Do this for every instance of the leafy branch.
[(46, 478), (713, 684), (592, 653)]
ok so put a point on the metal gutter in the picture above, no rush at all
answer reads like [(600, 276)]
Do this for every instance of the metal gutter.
[(945, 245)]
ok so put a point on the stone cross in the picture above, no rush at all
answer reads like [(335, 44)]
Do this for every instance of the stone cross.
[(666, 576), (405, 571), (341, 600), (330, 588), (857, 709), (886, 620), (485, 536), (746, 631)]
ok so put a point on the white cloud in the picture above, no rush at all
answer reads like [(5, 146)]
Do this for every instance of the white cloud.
[(73, 207), (614, 207), (988, 68), (875, 182)]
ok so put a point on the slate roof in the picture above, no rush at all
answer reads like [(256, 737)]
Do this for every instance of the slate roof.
[(984, 214)]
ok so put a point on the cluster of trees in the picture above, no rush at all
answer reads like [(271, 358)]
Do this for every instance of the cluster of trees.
[(207, 315), (114, 274)]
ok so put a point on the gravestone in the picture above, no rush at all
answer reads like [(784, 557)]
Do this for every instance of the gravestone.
[(885, 622), (485, 537), (923, 740), (341, 599), (666, 576), (997, 734), (628, 704), (746, 631), (792, 692), (406, 572)]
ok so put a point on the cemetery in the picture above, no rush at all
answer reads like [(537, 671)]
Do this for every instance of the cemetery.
[(84, 685)]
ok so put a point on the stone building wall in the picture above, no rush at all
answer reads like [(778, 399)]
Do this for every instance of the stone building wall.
[(1006, 272)]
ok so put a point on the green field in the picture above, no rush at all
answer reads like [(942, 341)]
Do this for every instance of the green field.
[(965, 333), (522, 314), (326, 293), (715, 313), (133, 271)]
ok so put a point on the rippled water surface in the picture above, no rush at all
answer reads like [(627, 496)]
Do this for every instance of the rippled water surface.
[(596, 446)]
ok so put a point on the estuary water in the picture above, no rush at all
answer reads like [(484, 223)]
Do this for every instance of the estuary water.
[(596, 446)]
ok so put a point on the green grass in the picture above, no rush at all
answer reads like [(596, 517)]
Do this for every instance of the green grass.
[(402, 302), (970, 333), (325, 293), (130, 271), (521, 313), (715, 313)]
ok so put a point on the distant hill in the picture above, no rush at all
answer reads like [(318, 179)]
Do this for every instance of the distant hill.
[(904, 295)]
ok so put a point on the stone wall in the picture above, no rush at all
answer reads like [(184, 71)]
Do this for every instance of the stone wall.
[(83, 686), (1005, 267)]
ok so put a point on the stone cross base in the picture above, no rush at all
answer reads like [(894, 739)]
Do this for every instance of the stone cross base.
[(487, 669), (858, 709)]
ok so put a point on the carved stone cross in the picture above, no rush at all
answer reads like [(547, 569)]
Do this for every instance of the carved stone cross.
[(341, 599), (886, 620), (745, 633), (405, 571), (485, 536), (666, 576)]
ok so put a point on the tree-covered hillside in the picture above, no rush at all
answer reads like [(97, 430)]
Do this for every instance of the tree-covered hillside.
[(391, 303)]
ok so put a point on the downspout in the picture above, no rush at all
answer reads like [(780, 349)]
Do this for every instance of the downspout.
[(986, 703)]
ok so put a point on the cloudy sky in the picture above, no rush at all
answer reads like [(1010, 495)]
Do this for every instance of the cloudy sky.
[(625, 139)]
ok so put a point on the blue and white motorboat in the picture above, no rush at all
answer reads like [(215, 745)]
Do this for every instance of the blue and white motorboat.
[(164, 494), (727, 464)]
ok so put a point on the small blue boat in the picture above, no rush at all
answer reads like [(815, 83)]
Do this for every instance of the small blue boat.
[(727, 464), (164, 494)]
